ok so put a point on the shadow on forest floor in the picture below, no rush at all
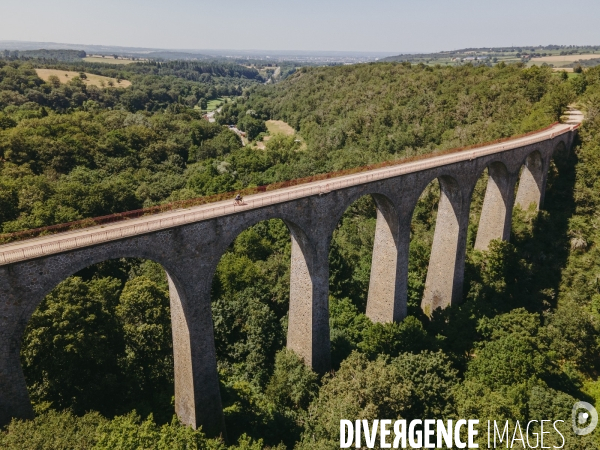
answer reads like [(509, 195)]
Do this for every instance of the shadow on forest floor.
[(525, 273)]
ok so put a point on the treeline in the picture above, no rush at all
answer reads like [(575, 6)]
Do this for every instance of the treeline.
[(45, 55), (212, 79), (522, 346), (193, 70)]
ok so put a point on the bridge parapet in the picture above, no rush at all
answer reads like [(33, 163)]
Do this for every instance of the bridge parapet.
[(46, 245)]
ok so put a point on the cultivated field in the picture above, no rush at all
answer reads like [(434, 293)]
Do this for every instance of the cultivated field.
[(508, 55), (92, 80), (107, 60), (565, 58)]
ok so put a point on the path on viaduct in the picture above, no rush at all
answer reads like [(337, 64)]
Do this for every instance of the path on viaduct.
[(189, 244)]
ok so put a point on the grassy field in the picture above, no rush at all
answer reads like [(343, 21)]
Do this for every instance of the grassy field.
[(569, 71), (279, 127), (92, 80), (211, 105), (107, 60)]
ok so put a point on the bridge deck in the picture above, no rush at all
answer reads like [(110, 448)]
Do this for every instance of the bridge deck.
[(57, 243)]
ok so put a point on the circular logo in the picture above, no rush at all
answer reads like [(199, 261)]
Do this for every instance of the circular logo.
[(583, 413)]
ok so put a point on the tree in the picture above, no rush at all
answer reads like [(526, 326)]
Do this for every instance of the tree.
[(144, 315), (433, 379), (6, 122), (54, 81), (506, 361), (293, 385), (99, 151), (360, 389), (394, 338), (71, 347), (252, 126), (54, 430), (556, 101)]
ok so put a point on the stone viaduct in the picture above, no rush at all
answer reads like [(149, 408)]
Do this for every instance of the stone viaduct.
[(189, 244)]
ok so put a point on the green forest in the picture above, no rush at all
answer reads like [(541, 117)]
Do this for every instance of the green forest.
[(97, 353)]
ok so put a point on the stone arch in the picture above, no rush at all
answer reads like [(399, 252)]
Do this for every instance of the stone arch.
[(344, 199), (184, 407), (494, 221), (531, 182), (197, 397), (231, 231), (308, 320), (80, 260), (386, 298), (443, 284)]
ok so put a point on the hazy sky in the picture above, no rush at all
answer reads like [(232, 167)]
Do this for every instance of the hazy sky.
[(366, 25)]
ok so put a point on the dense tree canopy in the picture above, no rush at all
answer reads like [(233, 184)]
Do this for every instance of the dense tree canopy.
[(355, 115), (523, 344)]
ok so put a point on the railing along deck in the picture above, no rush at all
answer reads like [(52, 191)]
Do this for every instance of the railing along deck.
[(68, 240)]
